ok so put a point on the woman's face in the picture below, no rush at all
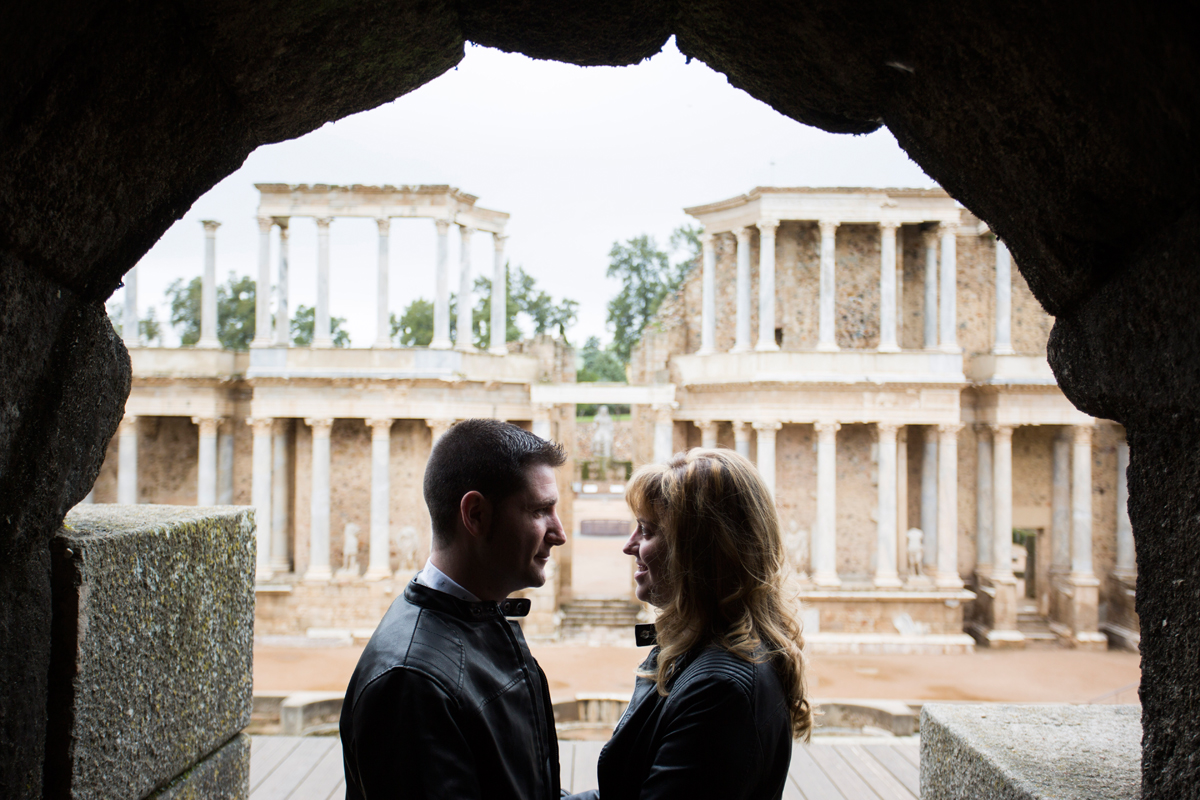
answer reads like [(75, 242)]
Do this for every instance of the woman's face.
[(649, 551)]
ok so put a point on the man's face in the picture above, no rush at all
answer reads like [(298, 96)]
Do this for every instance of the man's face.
[(525, 526)]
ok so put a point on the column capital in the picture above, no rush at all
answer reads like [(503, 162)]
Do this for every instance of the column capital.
[(377, 424), (743, 235), (665, 412), (1001, 431), (127, 425), (265, 224), (707, 239), (826, 428), (323, 223), (210, 226), (282, 222), (828, 226), (889, 223), (767, 226), (1082, 434), (542, 410), (208, 425), (741, 430), (261, 425), (321, 426), (930, 237), (886, 429), (384, 224), (439, 426), (442, 225), (498, 240), (948, 228), (950, 428), (767, 426), (466, 232)]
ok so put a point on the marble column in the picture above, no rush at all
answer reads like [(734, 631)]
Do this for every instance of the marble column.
[(887, 287), (439, 426), (280, 506), (129, 316), (985, 488), (766, 432), (542, 426), (1060, 505), (931, 289), (441, 298), (708, 299), (766, 285), (260, 494), (1126, 566), (886, 576), (499, 324), (902, 499), (708, 433), (224, 465), (208, 288), (322, 331), (947, 551), (929, 497), (383, 327), (462, 339), (741, 438), (1002, 503), (742, 336), (949, 289), (664, 433), (127, 460), (1003, 342), (262, 294), (824, 540), (378, 566), (1081, 502), (206, 471), (318, 537), (899, 286), (283, 320), (827, 333)]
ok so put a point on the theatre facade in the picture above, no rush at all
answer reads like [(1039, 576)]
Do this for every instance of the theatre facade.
[(873, 351)]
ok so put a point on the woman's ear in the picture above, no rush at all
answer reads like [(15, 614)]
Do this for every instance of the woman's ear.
[(476, 513)]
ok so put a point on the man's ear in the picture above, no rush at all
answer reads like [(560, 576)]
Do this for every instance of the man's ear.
[(476, 514)]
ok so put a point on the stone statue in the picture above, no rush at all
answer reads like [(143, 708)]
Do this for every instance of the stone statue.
[(350, 549), (915, 541), (602, 439), (408, 547), (795, 545)]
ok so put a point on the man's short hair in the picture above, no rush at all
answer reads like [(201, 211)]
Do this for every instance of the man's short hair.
[(483, 455)]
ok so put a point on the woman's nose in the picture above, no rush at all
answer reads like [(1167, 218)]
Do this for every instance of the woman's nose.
[(631, 546)]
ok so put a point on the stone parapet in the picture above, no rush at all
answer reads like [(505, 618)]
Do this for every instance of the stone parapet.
[(1005, 752), (150, 676)]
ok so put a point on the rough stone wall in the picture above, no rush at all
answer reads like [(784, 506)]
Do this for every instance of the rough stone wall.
[(622, 440), (910, 252), (168, 450), (797, 284), (796, 482)]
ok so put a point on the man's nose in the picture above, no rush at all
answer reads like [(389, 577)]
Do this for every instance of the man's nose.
[(556, 534)]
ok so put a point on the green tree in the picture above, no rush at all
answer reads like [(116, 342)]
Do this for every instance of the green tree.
[(687, 239), (236, 299), (646, 277), (414, 328), (149, 328), (599, 363), (184, 299), (481, 315), (304, 322)]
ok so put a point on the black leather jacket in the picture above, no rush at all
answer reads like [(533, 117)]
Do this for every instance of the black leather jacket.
[(723, 731), (448, 702)]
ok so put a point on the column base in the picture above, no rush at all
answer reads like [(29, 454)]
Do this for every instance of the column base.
[(498, 351), (322, 344), (740, 348), (826, 580), (705, 351), (887, 582), (1005, 640), (209, 344), (888, 348), (949, 581), (281, 566), (377, 575), (263, 573), (465, 348), (318, 575), (384, 345), (950, 348), (440, 344), (918, 582), (766, 347), (256, 343), (827, 347), (1003, 351)]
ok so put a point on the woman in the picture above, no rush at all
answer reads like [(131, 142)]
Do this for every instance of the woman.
[(721, 697)]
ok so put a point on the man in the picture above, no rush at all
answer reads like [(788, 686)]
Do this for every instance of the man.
[(446, 700)]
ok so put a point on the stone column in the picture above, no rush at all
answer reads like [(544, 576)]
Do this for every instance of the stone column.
[(886, 576), (664, 433), (1003, 343), (542, 426), (827, 334), (262, 295), (949, 289), (499, 325), (206, 472), (902, 498), (439, 426), (127, 460), (283, 320), (208, 288), (741, 438), (1060, 506), (318, 551), (931, 289), (383, 328), (899, 285), (708, 298), (1081, 502), (766, 452), (441, 299), (766, 285), (824, 540), (947, 552), (1126, 566), (224, 465), (708, 433), (462, 339), (322, 331), (984, 507), (929, 498), (1004, 583), (279, 497), (260, 494), (129, 317), (742, 341), (378, 566), (887, 287)]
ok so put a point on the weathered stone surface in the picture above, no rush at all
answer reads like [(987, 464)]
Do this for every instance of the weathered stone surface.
[(223, 775), (996, 752), (153, 637)]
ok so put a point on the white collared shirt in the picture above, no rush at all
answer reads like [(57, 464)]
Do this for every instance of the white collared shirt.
[(439, 581)]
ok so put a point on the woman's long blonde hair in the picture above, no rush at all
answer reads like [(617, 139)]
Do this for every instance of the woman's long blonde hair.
[(724, 568)]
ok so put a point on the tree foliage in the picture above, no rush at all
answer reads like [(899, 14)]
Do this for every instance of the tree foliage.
[(414, 328), (236, 299), (149, 328), (599, 363), (646, 277), (304, 322)]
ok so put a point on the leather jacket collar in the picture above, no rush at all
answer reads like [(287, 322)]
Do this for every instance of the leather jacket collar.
[(423, 596)]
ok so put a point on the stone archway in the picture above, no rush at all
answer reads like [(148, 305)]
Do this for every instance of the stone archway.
[(1070, 130)]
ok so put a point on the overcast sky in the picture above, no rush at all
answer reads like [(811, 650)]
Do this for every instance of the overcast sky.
[(580, 157)]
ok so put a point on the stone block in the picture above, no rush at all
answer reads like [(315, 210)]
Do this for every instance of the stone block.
[(153, 636), (1007, 752), (223, 775)]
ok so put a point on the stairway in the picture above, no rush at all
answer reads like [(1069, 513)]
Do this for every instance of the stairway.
[(1035, 628), (599, 620)]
